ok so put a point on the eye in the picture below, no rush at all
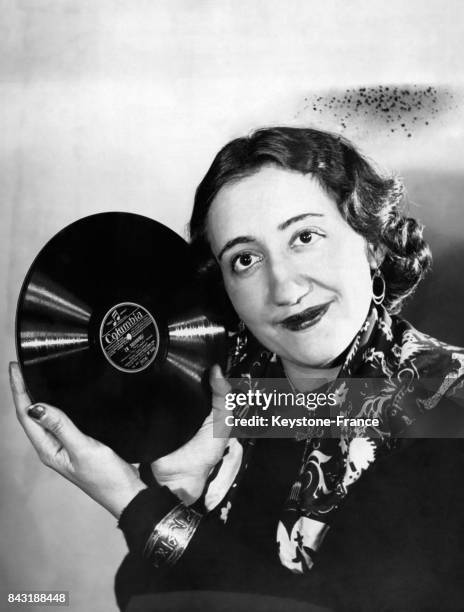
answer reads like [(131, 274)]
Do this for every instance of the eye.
[(243, 262), (306, 236)]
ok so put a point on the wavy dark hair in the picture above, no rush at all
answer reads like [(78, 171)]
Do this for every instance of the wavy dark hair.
[(372, 204)]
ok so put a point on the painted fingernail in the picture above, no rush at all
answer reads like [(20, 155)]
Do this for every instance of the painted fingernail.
[(36, 412)]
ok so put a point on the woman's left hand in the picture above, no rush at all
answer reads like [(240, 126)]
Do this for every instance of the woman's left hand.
[(87, 463)]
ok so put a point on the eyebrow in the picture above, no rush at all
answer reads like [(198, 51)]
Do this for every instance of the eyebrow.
[(288, 222), (281, 226)]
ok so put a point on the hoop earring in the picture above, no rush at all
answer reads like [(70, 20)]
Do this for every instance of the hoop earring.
[(378, 298)]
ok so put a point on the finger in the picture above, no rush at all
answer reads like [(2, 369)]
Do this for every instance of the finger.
[(220, 388), (46, 445), (50, 450), (20, 396), (219, 385), (52, 421), (43, 442), (57, 423)]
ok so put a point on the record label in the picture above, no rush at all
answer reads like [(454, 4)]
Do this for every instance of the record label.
[(129, 337)]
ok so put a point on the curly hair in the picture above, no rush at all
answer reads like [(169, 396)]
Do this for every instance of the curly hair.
[(372, 204)]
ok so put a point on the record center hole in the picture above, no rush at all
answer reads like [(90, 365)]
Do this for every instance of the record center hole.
[(128, 336)]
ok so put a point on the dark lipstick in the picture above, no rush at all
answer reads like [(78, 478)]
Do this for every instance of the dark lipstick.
[(306, 318)]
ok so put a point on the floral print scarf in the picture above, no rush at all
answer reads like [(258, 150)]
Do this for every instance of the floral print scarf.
[(415, 372)]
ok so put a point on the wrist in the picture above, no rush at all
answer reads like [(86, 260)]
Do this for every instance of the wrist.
[(123, 498), (143, 513)]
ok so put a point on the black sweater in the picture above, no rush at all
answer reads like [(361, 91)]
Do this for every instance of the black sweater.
[(397, 543)]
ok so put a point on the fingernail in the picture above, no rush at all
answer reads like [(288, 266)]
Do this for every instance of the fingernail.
[(36, 412)]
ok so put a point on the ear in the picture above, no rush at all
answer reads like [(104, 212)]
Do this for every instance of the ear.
[(375, 255)]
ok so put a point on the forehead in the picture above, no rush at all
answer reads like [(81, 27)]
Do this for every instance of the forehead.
[(262, 201)]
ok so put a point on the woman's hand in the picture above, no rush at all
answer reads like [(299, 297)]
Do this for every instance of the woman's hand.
[(185, 470), (92, 466)]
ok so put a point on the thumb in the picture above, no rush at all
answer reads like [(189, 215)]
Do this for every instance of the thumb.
[(56, 422), (219, 385)]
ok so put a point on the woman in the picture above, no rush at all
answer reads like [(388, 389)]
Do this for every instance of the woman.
[(315, 254)]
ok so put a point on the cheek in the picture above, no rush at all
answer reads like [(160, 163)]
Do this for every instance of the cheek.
[(356, 282), (245, 299), (352, 269)]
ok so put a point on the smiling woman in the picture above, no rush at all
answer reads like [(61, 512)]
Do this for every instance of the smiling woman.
[(309, 255), (309, 250), (296, 273), (302, 226)]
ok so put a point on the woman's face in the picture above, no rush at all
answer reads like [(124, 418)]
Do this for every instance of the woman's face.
[(296, 273)]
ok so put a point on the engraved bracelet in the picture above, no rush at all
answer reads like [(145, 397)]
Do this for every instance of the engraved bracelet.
[(171, 535)]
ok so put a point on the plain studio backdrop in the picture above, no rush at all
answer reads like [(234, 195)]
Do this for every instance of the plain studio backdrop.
[(119, 105)]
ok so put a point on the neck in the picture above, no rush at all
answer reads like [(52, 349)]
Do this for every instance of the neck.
[(305, 378)]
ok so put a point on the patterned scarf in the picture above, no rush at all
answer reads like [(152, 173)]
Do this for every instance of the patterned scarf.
[(413, 372)]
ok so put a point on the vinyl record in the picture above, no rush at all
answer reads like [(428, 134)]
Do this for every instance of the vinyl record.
[(112, 329)]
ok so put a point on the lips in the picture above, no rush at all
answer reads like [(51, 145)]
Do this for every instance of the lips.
[(306, 318)]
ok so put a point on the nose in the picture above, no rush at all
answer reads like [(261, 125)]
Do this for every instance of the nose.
[(287, 285)]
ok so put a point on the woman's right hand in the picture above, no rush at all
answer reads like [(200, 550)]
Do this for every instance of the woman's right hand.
[(185, 470), (87, 463), (100, 472)]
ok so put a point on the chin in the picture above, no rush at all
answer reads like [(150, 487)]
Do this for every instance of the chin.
[(314, 347), (314, 361), (316, 350)]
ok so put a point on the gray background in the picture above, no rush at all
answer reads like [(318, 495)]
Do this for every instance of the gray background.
[(120, 105)]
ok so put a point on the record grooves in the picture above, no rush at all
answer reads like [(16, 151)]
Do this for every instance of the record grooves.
[(112, 328)]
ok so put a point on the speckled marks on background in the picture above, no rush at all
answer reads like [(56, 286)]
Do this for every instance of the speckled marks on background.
[(399, 109)]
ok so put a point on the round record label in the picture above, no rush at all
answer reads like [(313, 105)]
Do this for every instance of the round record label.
[(129, 337)]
